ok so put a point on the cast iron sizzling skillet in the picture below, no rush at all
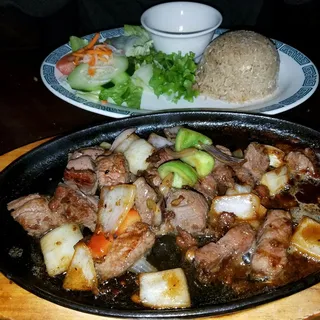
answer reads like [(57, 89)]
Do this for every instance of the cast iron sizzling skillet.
[(41, 169)]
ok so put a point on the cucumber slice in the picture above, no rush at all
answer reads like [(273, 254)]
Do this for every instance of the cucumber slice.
[(79, 78), (120, 78)]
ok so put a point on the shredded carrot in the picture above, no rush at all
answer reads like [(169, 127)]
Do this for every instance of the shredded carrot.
[(77, 54), (76, 61), (92, 61), (93, 41), (104, 101), (91, 72), (105, 49), (96, 51)]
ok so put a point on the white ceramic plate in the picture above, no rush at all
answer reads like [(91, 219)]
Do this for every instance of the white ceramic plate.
[(298, 79)]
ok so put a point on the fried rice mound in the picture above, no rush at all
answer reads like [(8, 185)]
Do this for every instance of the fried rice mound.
[(238, 67)]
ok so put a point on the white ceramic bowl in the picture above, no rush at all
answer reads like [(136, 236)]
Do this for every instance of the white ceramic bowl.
[(181, 26)]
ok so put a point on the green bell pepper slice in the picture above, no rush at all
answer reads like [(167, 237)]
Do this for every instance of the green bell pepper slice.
[(187, 138), (202, 161), (183, 174)]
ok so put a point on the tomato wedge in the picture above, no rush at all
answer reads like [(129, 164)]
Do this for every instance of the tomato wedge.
[(66, 64)]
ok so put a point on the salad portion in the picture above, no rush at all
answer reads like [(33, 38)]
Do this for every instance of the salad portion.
[(120, 69)]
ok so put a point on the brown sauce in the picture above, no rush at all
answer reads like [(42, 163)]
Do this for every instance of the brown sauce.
[(235, 277), (308, 193)]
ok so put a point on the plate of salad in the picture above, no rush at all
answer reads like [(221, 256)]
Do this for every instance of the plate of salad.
[(118, 73)]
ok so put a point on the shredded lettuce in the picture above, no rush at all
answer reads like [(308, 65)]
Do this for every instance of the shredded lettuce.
[(124, 92), (130, 30), (135, 41), (77, 43), (92, 96), (173, 74)]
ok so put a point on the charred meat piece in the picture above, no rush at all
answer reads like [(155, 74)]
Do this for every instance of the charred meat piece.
[(33, 214), (223, 223), (159, 157), (264, 194), (152, 177), (223, 175), (257, 163), (313, 155), (273, 240), (257, 160), (207, 186), (185, 240), (236, 241), (190, 210), (279, 201), (81, 163), (81, 171), (15, 204), (74, 206), (299, 163), (86, 180), (244, 176), (112, 170), (92, 152), (127, 249), (144, 192)]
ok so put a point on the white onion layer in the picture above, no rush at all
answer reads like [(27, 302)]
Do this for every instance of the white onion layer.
[(142, 265), (57, 247), (115, 202), (164, 289), (121, 137)]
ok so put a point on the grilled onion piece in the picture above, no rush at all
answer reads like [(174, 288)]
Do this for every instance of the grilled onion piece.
[(164, 289), (81, 274), (57, 247)]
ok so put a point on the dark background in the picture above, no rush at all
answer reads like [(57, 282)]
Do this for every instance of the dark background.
[(48, 30), (30, 112)]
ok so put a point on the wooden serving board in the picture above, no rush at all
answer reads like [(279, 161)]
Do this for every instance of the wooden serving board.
[(18, 304)]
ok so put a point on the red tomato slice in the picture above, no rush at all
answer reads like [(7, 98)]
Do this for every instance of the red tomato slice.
[(66, 64)]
